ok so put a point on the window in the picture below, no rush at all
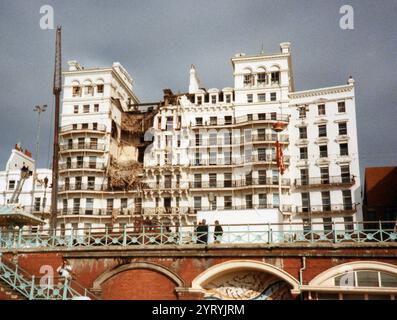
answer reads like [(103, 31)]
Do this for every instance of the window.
[(248, 154), (304, 177), (170, 123), (197, 203), (347, 200), (76, 91), (262, 200), (248, 179), (92, 162), (212, 139), (341, 107), (91, 183), (67, 183), (248, 201), (89, 206), (303, 153), (109, 206), (227, 202), (324, 173), (89, 90), (212, 177), (273, 96), (348, 223), (227, 182), (213, 121), (197, 158), (213, 99), (76, 206), (345, 173), (344, 150), (248, 80), (86, 108), (64, 206), (199, 100), (261, 97), (213, 155), (80, 162), (261, 116), (247, 135), (227, 157), (228, 119), (342, 128), (199, 121), (227, 138), (80, 142), (94, 143), (249, 117), (275, 177), (327, 222), (302, 132), (37, 204), (322, 130), (11, 184), (305, 201), (75, 109), (276, 200), (302, 112), (261, 78), (262, 134), (249, 98), (261, 154), (262, 176), (321, 109), (96, 107), (326, 201), (77, 183), (275, 76), (323, 151), (68, 163), (94, 126), (197, 180), (167, 181), (99, 88), (198, 139), (228, 98)]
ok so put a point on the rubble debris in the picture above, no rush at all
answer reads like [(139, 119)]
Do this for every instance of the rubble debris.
[(126, 175)]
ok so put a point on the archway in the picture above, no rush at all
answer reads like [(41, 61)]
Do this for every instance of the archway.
[(246, 280)]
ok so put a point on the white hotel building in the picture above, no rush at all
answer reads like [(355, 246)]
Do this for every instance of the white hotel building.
[(210, 153)]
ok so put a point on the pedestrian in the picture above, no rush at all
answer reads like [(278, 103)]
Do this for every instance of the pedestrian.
[(204, 237), (218, 232), (65, 271)]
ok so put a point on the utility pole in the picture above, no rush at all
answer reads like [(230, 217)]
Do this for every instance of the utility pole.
[(57, 88), (39, 109)]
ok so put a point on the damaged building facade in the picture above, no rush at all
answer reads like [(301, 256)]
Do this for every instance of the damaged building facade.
[(252, 153)]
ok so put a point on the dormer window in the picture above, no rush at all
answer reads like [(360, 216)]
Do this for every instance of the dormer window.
[(228, 98), (248, 80), (213, 99), (275, 77), (261, 78), (76, 91), (199, 100), (88, 90)]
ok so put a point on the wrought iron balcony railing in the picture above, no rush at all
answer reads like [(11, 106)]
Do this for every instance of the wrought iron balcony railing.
[(82, 146), (239, 183), (147, 233), (100, 128), (82, 165), (266, 158), (331, 209), (325, 181), (208, 142), (83, 187)]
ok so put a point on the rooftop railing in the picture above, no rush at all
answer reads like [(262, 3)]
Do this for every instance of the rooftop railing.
[(158, 235)]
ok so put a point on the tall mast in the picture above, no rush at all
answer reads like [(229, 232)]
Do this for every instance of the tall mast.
[(57, 88)]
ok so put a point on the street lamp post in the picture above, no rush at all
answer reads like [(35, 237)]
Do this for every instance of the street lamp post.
[(39, 109)]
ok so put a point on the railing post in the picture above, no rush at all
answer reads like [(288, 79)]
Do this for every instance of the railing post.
[(381, 231), (19, 237), (16, 275), (268, 233), (334, 232), (31, 294), (125, 235), (143, 234)]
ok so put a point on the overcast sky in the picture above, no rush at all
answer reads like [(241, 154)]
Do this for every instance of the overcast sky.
[(157, 41)]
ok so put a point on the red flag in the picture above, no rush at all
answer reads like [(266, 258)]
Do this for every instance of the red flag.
[(279, 158)]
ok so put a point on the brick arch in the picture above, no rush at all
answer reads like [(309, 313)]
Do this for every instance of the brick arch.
[(126, 275), (235, 265)]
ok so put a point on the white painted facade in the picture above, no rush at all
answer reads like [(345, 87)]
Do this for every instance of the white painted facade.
[(40, 206), (214, 151)]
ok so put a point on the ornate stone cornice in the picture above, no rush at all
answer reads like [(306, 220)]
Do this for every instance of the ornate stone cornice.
[(320, 92)]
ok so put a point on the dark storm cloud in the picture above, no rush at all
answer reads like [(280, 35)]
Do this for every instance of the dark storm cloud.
[(158, 40)]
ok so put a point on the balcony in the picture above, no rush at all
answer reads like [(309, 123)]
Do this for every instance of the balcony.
[(254, 182), (255, 138), (259, 118), (165, 185), (82, 128), (285, 208), (77, 166), (101, 212), (78, 147), (83, 187), (328, 182), (326, 209), (255, 159)]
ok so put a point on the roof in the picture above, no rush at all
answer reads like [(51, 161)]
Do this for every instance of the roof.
[(380, 187), (14, 215)]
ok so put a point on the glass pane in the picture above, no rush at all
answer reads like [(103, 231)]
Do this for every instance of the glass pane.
[(327, 296), (367, 279), (388, 280)]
